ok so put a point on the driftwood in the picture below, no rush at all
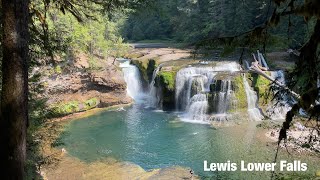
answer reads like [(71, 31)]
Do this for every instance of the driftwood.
[(262, 73)]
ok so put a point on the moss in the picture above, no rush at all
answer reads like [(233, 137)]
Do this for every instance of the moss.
[(91, 103), (240, 93), (152, 65), (146, 67), (57, 69), (65, 108), (261, 85), (167, 79)]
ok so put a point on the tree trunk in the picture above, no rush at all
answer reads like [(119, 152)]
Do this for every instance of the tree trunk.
[(14, 96)]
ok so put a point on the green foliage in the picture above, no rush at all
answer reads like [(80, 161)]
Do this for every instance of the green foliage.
[(197, 21), (153, 23), (65, 108), (57, 30), (96, 37), (119, 48), (58, 69), (93, 63), (91, 103), (167, 79)]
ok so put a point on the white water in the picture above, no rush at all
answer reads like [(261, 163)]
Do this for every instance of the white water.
[(154, 100), (279, 108), (223, 99), (133, 79), (253, 110), (198, 107), (192, 84), (262, 61)]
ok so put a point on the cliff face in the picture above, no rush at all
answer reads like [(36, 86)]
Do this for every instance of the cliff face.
[(77, 88)]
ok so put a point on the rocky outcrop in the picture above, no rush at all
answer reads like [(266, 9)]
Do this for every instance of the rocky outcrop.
[(81, 60), (166, 81), (112, 80), (80, 89)]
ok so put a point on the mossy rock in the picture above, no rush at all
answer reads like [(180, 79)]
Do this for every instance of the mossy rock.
[(262, 86), (65, 108), (166, 81), (240, 93), (91, 103), (146, 67)]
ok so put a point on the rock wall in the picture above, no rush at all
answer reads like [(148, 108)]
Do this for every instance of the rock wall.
[(166, 81), (82, 89)]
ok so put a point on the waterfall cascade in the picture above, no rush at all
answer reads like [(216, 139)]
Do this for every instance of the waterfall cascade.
[(154, 100), (133, 79), (192, 89), (280, 107), (253, 110), (203, 93), (222, 99)]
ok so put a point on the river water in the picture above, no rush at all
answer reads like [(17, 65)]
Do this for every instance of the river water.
[(156, 139)]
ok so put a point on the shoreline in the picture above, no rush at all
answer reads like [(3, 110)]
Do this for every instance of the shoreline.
[(83, 114), (73, 168)]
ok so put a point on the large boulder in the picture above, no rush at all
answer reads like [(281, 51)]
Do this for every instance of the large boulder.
[(111, 80), (68, 83)]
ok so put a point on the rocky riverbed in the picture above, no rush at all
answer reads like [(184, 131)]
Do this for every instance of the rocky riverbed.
[(300, 138)]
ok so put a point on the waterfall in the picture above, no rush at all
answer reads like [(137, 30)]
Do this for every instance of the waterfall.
[(198, 107), (247, 65), (192, 87), (253, 111), (222, 99), (262, 61), (154, 100), (280, 107), (133, 79), (223, 95)]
